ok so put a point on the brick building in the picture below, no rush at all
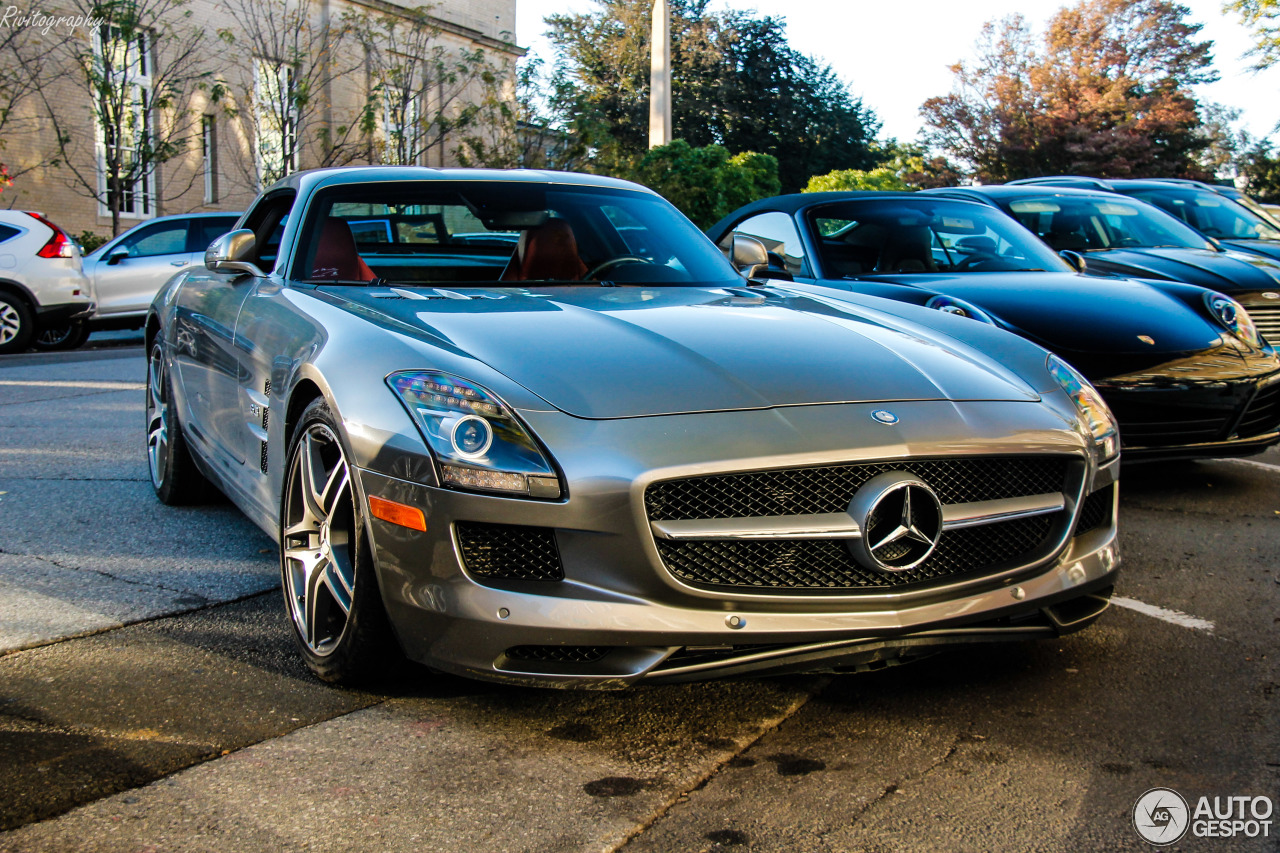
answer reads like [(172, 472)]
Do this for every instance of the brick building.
[(242, 92)]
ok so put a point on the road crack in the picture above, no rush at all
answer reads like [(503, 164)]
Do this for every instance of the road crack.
[(144, 584)]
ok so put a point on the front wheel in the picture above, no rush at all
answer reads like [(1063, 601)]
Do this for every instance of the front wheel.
[(67, 336), (326, 565)]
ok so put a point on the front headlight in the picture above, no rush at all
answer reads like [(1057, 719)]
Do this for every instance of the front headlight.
[(1233, 317), (475, 437), (1094, 412), (951, 305)]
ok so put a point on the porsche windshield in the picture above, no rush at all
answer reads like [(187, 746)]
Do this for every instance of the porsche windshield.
[(1212, 214), (501, 232), (1088, 223), (909, 236)]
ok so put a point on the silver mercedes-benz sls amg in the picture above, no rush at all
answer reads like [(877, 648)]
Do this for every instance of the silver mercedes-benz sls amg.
[(534, 427)]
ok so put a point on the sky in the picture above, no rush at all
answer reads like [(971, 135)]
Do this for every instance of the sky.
[(895, 57)]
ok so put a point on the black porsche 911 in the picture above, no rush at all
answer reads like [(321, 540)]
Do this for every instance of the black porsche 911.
[(1236, 222), (1183, 367), (1118, 235)]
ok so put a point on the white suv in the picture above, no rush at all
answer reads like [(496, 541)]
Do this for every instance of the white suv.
[(44, 295)]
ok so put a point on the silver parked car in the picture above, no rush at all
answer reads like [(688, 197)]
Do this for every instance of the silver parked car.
[(598, 456), (126, 272)]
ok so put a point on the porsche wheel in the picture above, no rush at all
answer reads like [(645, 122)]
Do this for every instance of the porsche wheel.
[(330, 590), (174, 475)]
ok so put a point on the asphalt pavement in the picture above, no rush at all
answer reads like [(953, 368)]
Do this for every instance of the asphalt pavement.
[(150, 698)]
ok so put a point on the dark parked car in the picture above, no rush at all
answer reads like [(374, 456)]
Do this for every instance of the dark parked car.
[(595, 456), (1182, 367), (1117, 235), (1211, 212)]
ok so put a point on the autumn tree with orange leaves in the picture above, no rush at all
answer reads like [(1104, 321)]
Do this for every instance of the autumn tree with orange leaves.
[(1104, 91)]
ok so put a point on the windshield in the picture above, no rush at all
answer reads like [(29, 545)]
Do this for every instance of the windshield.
[(1212, 214), (898, 235), (496, 232), (1092, 223)]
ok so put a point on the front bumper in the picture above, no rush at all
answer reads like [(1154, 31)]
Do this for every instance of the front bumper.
[(619, 616)]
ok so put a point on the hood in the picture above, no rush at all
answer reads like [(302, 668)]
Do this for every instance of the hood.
[(1265, 248), (615, 352), (1228, 272), (1065, 312)]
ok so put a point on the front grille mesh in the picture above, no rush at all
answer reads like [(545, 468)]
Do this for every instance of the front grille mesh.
[(1095, 511), (558, 654), (826, 564), (829, 488), (509, 551)]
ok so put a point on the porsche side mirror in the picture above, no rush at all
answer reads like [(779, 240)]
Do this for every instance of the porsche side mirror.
[(1075, 259), (231, 253), (116, 256)]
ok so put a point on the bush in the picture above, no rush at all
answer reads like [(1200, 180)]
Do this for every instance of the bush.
[(89, 241), (707, 183)]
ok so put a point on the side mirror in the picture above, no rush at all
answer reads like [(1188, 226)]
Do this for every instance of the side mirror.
[(116, 256), (1075, 259), (231, 253), (748, 255)]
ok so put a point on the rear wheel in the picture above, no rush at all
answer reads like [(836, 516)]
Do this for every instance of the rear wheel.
[(174, 475), (67, 336), (16, 324), (326, 565)]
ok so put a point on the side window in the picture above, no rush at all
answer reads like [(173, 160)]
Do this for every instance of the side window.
[(164, 238), (8, 232), (780, 237), (205, 230), (267, 221)]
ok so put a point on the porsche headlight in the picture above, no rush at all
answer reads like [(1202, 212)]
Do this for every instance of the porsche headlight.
[(1233, 317), (1094, 413), (951, 305), (475, 437)]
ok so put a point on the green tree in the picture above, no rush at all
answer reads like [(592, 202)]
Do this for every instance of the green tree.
[(1261, 169), (1105, 91), (706, 183), (904, 167), (736, 83)]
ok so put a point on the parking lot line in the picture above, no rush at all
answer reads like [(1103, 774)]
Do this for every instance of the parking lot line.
[(75, 383), (1266, 466), (1176, 617)]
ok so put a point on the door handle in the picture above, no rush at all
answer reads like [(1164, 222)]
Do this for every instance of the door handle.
[(178, 263)]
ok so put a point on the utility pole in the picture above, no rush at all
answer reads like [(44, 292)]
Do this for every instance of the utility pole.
[(660, 76)]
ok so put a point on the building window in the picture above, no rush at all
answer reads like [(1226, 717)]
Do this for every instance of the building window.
[(275, 121), (122, 114), (209, 152)]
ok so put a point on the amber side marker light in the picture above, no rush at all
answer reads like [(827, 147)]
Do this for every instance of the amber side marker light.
[(397, 513)]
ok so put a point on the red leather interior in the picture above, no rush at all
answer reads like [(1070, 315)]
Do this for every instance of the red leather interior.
[(547, 251), (336, 257)]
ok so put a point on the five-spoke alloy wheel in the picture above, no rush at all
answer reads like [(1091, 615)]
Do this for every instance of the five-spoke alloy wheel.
[(174, 476), (326, 569)]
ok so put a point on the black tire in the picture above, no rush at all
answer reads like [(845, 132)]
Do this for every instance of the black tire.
[(17, 324), (330, 587), (174, 475), (67, 336)]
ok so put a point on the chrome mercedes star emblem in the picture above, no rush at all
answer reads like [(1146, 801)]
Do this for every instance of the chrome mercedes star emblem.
[(884, 416), (900, 519)]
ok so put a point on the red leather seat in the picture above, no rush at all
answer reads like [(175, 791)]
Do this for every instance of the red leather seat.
[(547, 251), (336, 256)]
